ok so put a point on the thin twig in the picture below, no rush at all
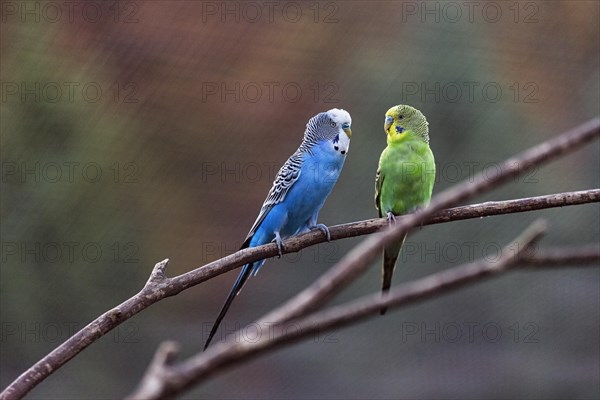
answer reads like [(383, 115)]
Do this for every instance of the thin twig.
[(487, 209), (162, 287), (159, 369), (558, 257)]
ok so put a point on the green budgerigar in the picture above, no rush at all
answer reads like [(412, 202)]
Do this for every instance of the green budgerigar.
[(405, 176)]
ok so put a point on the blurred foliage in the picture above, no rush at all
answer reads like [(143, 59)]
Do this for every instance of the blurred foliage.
[(186, 158)]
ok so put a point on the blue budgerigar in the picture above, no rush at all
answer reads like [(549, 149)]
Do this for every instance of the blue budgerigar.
[(298, 193)]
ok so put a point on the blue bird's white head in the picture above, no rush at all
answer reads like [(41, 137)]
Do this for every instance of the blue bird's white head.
[(333, 126)]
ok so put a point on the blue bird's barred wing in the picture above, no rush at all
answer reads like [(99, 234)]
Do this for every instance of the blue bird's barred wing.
[(285, 179)]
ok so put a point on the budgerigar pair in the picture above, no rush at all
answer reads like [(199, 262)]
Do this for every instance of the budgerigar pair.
[(308, 176)]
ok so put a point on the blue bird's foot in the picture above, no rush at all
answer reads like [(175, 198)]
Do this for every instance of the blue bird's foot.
[(279, 242), (323, 228), (391, 218)]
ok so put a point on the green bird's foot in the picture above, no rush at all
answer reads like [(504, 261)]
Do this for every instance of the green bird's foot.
[(323, 228), (279, 242), (391, 218)]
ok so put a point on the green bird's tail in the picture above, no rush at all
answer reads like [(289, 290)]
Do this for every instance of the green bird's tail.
[(390, 255)]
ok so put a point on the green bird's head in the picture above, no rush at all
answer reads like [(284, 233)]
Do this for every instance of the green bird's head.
[(403, 122)]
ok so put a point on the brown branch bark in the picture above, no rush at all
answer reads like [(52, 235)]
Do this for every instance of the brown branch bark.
[(159, 286), (487, 209), (560, 256), (173, 380)]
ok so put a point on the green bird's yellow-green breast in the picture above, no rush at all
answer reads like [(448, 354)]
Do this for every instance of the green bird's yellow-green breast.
[(408, 170)]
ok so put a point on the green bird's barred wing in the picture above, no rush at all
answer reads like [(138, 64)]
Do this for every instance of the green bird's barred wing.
[(379, 177)]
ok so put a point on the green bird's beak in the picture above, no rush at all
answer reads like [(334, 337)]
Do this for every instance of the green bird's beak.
[(388, 123)]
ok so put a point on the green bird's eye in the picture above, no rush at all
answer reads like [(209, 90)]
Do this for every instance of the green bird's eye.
[(400, 116)]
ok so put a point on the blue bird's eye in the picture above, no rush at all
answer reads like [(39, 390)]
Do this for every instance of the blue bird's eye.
[(333, 124)]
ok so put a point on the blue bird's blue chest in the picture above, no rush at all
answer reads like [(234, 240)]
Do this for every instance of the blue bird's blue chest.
[(319, 173)]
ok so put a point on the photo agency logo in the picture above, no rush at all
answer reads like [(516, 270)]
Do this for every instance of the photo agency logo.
[(270, 92), (453, 251), (236, 172), (252, 333), (93, 12), (69, 172), (469, 332), (491, 12), (252, 12), (225, 172), (455, 172), (328, 253), (65, 92), (470, 92), (416, 251), (27, 332), (68, 252)]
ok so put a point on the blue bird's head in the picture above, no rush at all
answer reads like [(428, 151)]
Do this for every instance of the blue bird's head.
[(333, 126)]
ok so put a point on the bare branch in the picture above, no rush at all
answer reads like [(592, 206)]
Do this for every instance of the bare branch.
[(224, 355), (487, 209), (158, 370), (159, 286), (558, 257)]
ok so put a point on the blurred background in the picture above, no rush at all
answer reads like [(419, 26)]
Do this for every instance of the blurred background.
[(135, 131)]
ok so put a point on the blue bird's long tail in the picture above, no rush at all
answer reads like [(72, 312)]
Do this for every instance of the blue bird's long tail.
[(237, 286), (246, 272)]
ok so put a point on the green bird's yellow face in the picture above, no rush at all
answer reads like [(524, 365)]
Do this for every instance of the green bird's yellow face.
[(403, 122)]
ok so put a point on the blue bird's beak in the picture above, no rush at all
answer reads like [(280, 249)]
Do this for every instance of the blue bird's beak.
[(346, 128), (388, 123)]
